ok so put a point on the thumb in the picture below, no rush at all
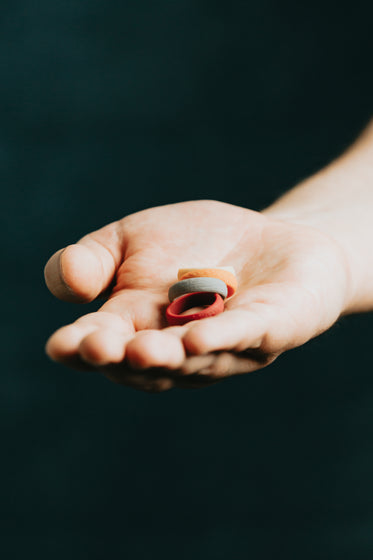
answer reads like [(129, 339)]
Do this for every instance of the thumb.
[(80, 272)]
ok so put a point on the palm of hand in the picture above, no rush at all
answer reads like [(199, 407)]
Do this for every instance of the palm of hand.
[(292, 286)]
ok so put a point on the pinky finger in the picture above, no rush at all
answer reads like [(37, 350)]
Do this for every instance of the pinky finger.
[(235, 330)]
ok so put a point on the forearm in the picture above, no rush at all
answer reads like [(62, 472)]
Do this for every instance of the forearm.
[(338, 201)]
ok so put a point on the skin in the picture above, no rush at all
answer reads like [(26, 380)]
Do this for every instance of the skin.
[(298, 271)]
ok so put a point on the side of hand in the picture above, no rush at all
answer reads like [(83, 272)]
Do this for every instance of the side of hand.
[(293, 284)]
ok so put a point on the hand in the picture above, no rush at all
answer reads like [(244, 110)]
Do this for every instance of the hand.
[(293, 284)]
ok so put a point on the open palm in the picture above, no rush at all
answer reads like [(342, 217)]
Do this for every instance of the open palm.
[(292, 285)]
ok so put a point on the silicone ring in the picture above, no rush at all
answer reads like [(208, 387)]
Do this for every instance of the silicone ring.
[(228, 277), (204, 284), (214, 302)]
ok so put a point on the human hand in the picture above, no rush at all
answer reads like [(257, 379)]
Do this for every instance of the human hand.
[(293, 284)]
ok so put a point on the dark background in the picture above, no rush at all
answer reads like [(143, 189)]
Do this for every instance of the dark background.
[(109, 107)]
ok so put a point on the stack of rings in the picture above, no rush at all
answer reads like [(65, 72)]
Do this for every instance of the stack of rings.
[(199, 287)]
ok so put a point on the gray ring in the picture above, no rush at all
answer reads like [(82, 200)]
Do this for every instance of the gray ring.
[(198, 284)]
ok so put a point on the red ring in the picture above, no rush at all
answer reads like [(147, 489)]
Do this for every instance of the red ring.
[(214, 301)]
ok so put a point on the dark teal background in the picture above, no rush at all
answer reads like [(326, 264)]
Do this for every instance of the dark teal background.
[(111, 107)]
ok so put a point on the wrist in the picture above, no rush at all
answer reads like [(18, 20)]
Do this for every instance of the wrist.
[(317, 203)]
